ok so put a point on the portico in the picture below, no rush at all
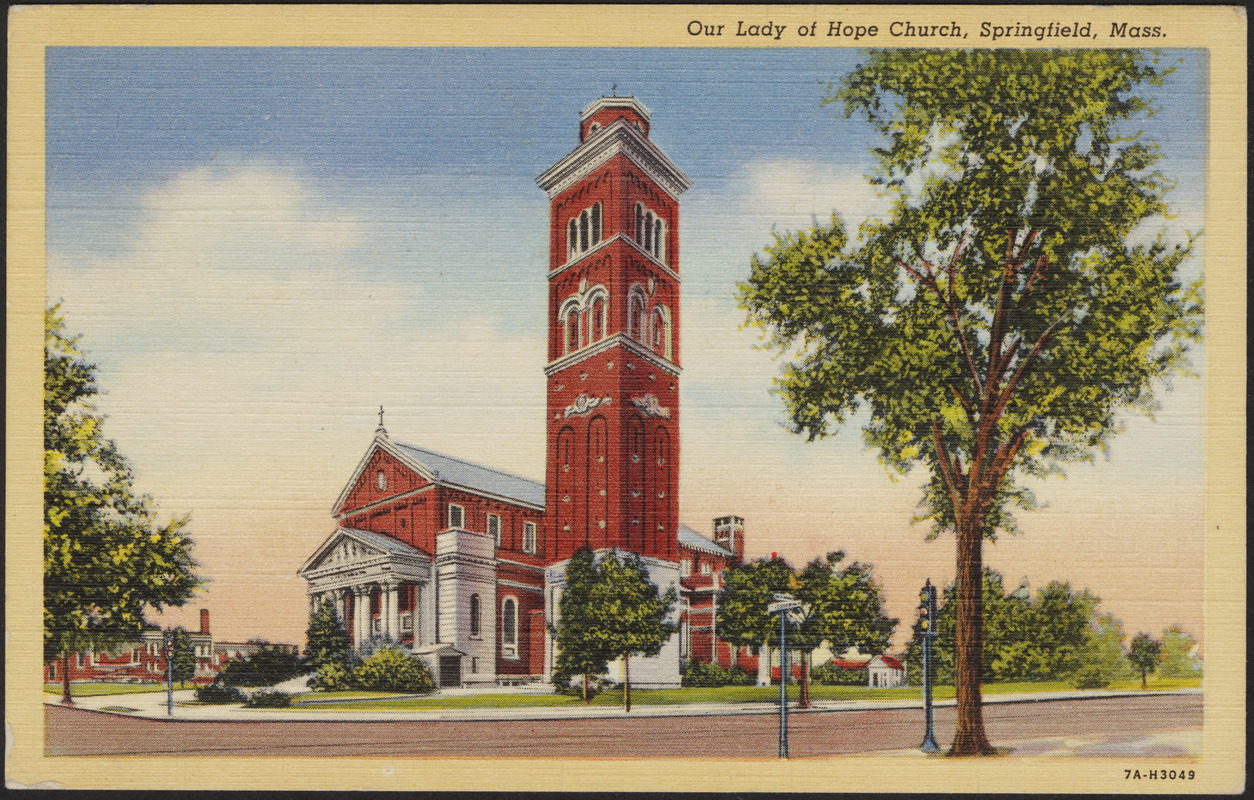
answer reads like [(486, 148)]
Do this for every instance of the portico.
[(380, 587)]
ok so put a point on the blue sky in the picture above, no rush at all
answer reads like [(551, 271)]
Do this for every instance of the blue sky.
[(261, 246)]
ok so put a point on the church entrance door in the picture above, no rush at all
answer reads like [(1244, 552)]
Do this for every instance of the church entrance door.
[(450, 671)]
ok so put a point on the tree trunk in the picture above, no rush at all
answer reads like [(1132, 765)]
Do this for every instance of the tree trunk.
[(65, 680), (585, 687), (627, 682), (970, 739), (1144, 682), (803, 699)]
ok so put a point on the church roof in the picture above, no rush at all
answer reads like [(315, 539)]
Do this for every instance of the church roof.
[(695, 541), (385, 543), (447, 469)]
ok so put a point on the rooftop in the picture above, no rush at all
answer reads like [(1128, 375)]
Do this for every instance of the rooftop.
[(695, 541), (489, 480)]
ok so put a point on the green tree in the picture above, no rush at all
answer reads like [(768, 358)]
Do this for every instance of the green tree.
[(844, 607), (326, 641), (742, 620), (1178, 658), (1062, 627), (106, 559), (580, 650), (630, 616), (184, 656), (999, 320), (1101, 661), (1143, 655)]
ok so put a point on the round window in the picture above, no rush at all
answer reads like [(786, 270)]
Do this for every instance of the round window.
[(381, 480)]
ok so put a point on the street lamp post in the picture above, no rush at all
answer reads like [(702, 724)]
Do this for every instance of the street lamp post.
[(927, 622), (782, 605), (169, 673)]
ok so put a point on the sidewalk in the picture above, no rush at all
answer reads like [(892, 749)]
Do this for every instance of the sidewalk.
[(152, 705)]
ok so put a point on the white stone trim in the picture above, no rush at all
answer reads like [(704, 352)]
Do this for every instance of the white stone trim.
[(670, 273), (614, 102), (608, 343), (620, 137)]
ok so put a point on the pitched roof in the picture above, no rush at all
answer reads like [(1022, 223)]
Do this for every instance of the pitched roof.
[(891, 662), (691, 539), (447, 469), (385, 543)]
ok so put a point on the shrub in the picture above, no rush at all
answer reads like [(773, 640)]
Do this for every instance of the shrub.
[(391, 670), (830, 674), (1090, 676), (219, 693), (332, 676), (269, 700), (701, 674), (266, 667)]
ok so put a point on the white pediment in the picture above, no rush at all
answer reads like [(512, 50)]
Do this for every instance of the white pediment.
[(344, 550)]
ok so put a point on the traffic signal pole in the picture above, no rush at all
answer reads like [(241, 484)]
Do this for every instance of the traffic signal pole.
[(927, 610)]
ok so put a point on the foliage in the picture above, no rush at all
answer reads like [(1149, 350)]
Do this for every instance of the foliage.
[(699, 673), (268, 700), (184, 656), (845, 608), (390, 670), (331, 677), (831, 675), (630, 616), (747, 589), (218, 693), (105, 558), (1143, 654), (1102, 660), (268, 666), (580, 650), (326, 640), (1045, 639), (1000, 319), (377, 642), (1178, 658)]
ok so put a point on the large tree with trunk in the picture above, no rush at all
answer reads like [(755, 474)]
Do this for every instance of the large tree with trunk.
[(106, 559), (995, 324)]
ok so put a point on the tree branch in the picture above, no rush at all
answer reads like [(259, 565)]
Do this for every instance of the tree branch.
[(1007, 452), (1004, 398), (946, 468)]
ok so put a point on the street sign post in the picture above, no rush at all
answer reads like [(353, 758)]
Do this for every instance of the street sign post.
[(169, 673), (782, 605)]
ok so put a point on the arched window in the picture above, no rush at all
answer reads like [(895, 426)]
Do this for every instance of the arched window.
[(509, 626), (584, 231), (658, 251), (648, 232), (598, 320), (639, 223), (660, 338), (636, 319), (475, 615), (572, 330)]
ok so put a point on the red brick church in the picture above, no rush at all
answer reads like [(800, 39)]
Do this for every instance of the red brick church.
[(465, 564)]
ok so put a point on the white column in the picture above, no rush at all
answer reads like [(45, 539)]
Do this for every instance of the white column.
[(339, 605), (360, 598), (391, 611), (764, 665), (428, 612)]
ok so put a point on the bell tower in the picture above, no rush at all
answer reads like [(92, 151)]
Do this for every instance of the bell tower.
[(613, 359)]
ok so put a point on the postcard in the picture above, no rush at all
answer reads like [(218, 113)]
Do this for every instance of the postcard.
[(710, 398)]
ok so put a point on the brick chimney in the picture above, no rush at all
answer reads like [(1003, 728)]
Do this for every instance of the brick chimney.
[(730, 533), (204, 620)]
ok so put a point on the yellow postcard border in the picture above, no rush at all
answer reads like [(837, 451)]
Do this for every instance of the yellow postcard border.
[(1221, 30)]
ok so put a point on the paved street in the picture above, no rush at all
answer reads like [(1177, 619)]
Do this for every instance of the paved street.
[(1160, 725)]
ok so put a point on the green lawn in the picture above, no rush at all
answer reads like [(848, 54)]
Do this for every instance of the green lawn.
[(651, 697), (95, 689)]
